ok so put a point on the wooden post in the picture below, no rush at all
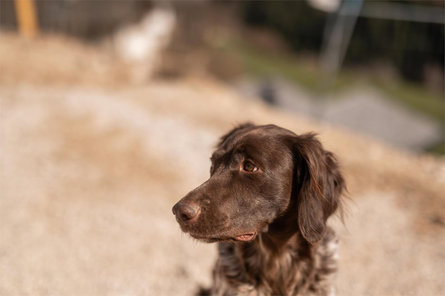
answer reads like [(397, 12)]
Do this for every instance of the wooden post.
[(26, 17)]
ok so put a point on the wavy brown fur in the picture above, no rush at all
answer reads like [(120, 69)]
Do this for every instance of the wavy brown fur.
[(266, 204)]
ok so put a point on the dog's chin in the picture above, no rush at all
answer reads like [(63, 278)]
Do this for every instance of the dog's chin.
[(245, 237)]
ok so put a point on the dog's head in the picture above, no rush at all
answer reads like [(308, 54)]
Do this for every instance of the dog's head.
[(263, 179)]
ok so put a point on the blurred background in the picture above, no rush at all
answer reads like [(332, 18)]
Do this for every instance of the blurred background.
[(109, 111)]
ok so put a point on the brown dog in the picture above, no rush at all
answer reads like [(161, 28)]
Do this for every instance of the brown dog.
[(267, 200)]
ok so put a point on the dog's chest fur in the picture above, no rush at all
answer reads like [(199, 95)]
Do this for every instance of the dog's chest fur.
[(249, 270)]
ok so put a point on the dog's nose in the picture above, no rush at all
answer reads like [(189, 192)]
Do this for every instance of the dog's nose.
[(186, 212)]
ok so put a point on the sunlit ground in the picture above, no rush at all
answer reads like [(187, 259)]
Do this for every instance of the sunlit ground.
[(91, 165)]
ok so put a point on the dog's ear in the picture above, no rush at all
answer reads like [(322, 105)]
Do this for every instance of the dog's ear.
[(224, 138), (319, 185)]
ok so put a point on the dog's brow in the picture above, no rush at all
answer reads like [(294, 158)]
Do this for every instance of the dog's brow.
[(217, 154)]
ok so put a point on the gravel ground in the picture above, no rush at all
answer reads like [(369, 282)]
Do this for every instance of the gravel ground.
[(90, 168), (89, 177)]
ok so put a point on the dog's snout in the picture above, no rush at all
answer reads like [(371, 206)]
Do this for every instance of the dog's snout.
[(186, 212)]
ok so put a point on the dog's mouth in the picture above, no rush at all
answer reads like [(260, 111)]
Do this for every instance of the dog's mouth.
[(245, 237)]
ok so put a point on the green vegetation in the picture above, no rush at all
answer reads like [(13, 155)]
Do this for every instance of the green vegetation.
[(414, 97), (438, 148), (262, 63)]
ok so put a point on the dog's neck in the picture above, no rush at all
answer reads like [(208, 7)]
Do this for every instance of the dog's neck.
[(277, 243), (267, 261), (283, 233), (271, 259)]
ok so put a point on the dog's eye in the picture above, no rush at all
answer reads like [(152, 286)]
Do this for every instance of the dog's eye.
[(249, 167)]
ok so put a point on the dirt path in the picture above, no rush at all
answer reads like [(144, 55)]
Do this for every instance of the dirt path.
[(88, 178)]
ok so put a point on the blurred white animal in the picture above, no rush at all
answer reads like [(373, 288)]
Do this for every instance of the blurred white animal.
[(140, 45), (325, 5)]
